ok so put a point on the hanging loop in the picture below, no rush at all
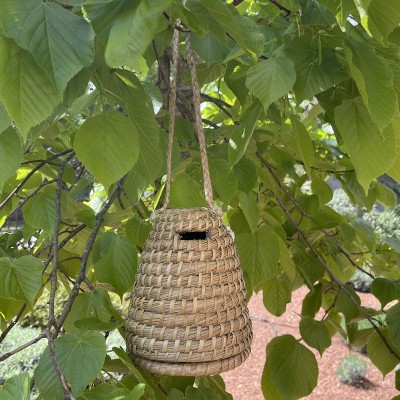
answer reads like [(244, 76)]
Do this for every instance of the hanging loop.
[(208, 193)]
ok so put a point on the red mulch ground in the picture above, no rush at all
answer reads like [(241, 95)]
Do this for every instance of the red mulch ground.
[(245, 382)]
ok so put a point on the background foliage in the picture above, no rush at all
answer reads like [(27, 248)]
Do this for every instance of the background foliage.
[(294, 92)]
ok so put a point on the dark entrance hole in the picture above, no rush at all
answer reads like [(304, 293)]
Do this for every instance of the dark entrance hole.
[(192, 235)]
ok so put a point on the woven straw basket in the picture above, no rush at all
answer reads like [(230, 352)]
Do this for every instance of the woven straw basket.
[(188, 313)]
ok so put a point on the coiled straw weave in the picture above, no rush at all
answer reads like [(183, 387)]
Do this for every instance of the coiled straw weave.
[(188, 313)]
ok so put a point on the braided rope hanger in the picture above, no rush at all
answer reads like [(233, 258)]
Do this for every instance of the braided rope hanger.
[(208, 193)]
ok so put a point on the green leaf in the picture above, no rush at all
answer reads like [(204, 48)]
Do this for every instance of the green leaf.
[(186, 192), (193, 393), (243, 30), (136, 393), (381, 18), (316, 14), (292, 368), (104, 391), (81, 104), (209, 48), (242, 134), (96, 304), (124, 48), (393, 324), (138, 230), (248, 204), (312, 301), (25, 89), (246, 174), (10, 154), (322, 190), (115, 260), (304, 144), (271, 79), (102, 14), (5, 120), (394, 170), (223, 179), (17, 388), (126, 89), (61, 42), (80, 359), (20, 279), (315, 333), (317, 70), (108, 146), (135, 372), (94, 324), (217, 382), (175, 394), (371, 152), (385, 290), (259, 254), (345, 305), (276, 294), (268, 388), (374, 80), (379, 354), (40, 210)]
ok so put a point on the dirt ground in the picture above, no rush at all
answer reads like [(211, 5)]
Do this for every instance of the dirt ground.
[(244, 383)]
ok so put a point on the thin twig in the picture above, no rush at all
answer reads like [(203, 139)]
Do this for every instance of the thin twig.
[(12, 323), (53, 280), (282, 8), (80, 279), (218, 102), (46, 264), (30, 174), (208, 122), (85, 255), (25, 199), (22, 347), (330, 272), (304, 214)]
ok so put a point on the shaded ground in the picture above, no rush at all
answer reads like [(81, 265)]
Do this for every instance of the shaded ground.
[(245, 382)]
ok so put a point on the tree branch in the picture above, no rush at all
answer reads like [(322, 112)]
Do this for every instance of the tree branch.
[(85, 255), (327, 268), (60, 375), (22, 347), (218, 102), (282, 8), (304, 214), (24, 200), (13, 323), (53, 280), (30, 174)]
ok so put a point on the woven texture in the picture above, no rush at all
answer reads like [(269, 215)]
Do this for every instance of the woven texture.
[(188, 312)]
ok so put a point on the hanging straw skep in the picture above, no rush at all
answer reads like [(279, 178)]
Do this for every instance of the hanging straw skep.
[(188, 314)]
